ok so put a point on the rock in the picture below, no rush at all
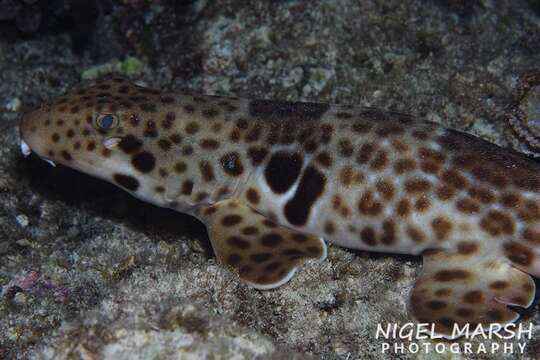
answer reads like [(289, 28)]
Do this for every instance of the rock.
[(131, 66), (22, 220), (20, 299), (524, 117), (13, 104)]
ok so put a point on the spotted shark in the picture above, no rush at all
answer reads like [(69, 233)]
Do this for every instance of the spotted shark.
[(273, 181)]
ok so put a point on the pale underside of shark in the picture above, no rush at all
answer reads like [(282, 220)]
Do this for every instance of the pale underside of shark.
[(274, 180)]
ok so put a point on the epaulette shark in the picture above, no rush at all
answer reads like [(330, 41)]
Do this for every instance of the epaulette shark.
[(273, 181)]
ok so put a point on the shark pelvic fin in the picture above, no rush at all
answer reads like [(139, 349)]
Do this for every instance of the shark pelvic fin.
[(459, 289)]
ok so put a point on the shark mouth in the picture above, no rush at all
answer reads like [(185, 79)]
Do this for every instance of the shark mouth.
[(26, 151)]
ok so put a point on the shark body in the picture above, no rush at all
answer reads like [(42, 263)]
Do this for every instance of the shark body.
[(274, 180)]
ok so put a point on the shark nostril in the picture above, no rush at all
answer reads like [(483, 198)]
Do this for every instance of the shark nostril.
[(25, 149)]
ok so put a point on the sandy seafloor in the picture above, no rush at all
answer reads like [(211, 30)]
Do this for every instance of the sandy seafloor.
[(88, 272)]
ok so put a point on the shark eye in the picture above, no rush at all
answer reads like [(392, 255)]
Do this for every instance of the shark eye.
[(106, 121)]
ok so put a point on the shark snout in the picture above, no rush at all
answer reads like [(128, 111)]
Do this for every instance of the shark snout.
[(33, 137), (28, 131)]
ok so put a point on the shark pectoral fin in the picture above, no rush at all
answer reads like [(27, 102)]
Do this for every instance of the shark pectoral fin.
[(456, 289), (263, 253)]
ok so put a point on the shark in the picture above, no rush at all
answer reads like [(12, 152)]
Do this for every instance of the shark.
[(274, 181)]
